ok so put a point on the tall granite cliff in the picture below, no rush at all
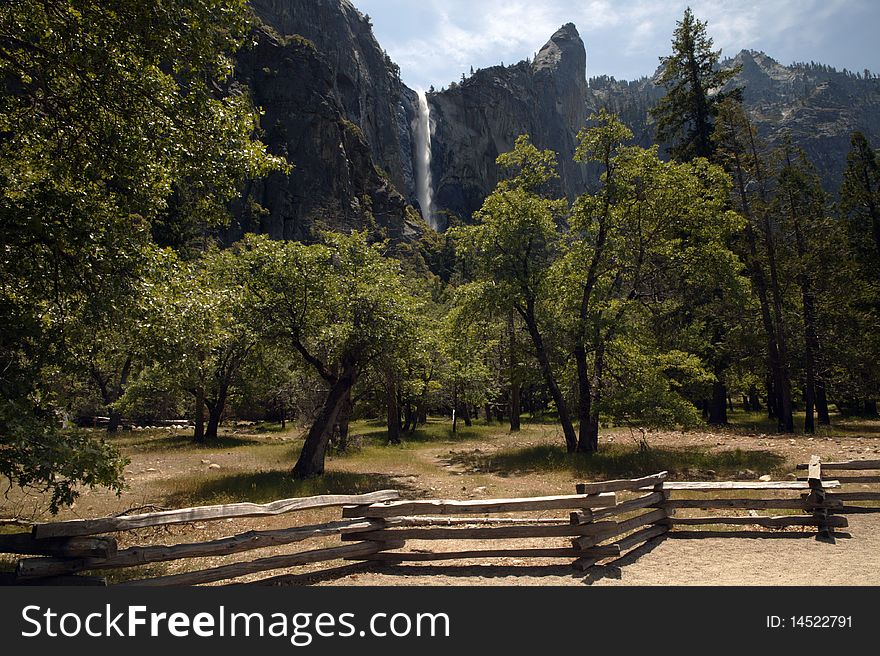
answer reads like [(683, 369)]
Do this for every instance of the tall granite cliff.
[(819, 106), (335, 182), (480, 118), (365, 80), (335, 105)]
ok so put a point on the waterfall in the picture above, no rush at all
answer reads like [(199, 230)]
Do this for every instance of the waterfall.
[(423, 160)]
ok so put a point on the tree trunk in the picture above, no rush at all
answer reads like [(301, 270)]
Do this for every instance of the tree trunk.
[(199, 416), (822, 404), (584, 396), (515, 406), (215, 414), (515, 391), (550, 379), (343, 417), (311, 458), (718, 404), (781, 384), (754, 401), (809, 405), (772, 403), (590, 443), (409, 418), (811, 337), (467, 415), (392, 414)]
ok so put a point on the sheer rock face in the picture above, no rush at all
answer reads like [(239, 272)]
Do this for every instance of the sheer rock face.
[(335, 182), (818, 106), (365, 80), (334, 105), (481, 118)]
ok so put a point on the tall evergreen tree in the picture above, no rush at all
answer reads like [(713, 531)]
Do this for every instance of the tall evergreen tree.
[(693, 82), (744, 157), (860, 200), (800, 206)]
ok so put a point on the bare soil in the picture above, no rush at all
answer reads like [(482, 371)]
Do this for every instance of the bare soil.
[(167, 471)]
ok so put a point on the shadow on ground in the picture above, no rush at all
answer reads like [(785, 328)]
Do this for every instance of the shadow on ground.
[(265, 486), (148, 443), (618, 461)]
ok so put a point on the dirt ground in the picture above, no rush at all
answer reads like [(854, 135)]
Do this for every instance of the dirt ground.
[(847, 561), (168, 471)]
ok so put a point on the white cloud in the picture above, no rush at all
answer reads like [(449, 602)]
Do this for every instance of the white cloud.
[(622, 38)]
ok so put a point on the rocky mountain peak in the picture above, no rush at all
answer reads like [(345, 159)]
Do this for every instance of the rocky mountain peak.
[(564, 53), (756, 63)]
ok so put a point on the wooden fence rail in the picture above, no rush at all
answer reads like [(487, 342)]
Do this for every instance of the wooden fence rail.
[(77, 527), (606, 519)]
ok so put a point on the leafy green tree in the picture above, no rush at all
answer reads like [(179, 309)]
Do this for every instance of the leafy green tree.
[(653, 234), (858, 327), (110, 110), (693, 80), (468, 340), (511, 249), (199, 329), (341, 305)]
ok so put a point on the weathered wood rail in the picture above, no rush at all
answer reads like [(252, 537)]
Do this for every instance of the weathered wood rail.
[(604, 520), (67, 551)]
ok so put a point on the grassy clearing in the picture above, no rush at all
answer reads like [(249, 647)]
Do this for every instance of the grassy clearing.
[(265, 486), (623, 461), (749, 423)]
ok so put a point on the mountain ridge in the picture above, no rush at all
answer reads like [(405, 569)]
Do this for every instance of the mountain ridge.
[(548, 97)]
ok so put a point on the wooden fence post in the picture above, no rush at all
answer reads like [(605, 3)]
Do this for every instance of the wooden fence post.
[(817, 497)]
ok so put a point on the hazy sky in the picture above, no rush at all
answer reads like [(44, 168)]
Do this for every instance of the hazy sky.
[(435, 41)]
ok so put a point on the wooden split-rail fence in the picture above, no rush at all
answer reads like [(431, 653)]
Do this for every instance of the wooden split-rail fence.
[(604, 520)]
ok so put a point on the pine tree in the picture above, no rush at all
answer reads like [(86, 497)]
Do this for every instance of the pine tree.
[(693, 82), (860, 199), (744, 156), (800, 204)]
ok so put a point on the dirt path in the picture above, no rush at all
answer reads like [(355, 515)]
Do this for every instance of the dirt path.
[(168, 471), (705, 561)]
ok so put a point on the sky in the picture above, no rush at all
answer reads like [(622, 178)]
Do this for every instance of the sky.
[(435, 41)]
